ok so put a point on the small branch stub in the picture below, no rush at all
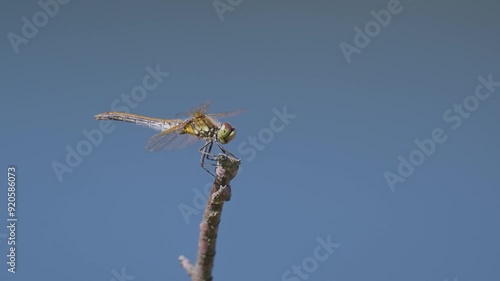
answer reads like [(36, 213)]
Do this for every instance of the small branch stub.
[(226, 170), (186, 264)]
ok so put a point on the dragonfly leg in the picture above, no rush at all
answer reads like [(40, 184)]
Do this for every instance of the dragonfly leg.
[(207, 156), (224, 150)]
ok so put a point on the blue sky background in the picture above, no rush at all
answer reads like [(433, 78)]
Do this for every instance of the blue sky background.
[(322, 175)]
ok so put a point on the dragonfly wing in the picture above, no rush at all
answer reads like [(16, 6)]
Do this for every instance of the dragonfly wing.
[(171, 139), (226, 114), (195, 111)]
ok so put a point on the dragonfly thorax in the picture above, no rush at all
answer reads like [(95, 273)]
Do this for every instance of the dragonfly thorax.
[(210, 130)]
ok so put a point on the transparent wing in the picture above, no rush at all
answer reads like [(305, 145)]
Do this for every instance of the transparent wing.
[(195, 111), (226, 114), (171, 139)]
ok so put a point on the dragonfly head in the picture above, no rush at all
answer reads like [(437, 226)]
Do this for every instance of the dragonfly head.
[(226, 133)]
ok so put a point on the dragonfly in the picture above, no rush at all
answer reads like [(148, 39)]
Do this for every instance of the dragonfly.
[(180, 133)]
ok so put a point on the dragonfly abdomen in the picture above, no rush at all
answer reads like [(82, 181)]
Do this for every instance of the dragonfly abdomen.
[(153, 123)]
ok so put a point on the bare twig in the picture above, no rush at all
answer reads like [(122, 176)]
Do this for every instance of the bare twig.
[(221, 191)]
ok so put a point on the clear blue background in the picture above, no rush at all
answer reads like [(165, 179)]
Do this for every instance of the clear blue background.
[(322, 175)]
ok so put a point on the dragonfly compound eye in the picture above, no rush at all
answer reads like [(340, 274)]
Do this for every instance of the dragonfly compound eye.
[(226, 133)]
